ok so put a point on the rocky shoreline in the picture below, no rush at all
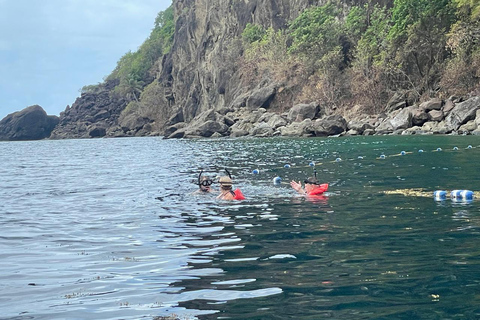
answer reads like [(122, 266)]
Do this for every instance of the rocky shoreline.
[(436, 116)]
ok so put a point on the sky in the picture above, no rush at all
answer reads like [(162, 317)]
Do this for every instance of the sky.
[(50, 49)]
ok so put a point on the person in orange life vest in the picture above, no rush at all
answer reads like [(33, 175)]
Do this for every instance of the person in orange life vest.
[(226, 192), (312, 187)]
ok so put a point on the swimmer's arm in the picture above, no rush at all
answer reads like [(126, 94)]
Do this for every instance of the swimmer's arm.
[(297, 186)]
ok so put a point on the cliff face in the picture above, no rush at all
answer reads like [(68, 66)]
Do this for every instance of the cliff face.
[(205, 56), (199, 73)]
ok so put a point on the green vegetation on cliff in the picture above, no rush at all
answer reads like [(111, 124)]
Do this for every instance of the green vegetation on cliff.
[(366, 53), (136, 69)]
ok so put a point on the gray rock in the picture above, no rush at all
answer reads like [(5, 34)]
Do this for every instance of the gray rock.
[(435, 115), (277, 121), (329, 126), (261, 98), (468, 127), (462, 113), (31, 123), (301, 112), (261, 130), (298, 129), (419, 116), (433, 104), (435, 127), (206, 129), (97, 131), (401, 121)]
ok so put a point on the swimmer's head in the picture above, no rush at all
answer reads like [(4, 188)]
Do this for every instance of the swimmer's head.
[(225, 182)]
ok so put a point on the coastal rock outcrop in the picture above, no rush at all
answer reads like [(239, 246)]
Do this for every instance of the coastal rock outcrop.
[(31, 123), (93, 115)]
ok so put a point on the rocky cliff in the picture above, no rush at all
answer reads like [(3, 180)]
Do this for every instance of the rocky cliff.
[(202, 87), (200, 72)]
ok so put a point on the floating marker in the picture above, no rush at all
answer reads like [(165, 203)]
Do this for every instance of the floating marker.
[(461, 195), (338, 159), (277, 180), (469, 146), (255, 171), (440, 195), (421, 150), (455, 148), (403, 153), (360, 157), (286, 166), (312, 164), (439, 149), (382, 156)]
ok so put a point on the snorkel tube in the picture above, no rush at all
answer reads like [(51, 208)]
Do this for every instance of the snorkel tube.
[(199, 179)]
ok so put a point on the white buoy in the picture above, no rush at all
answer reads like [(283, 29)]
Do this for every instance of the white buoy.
[(286, 166), (338, 159), (403, 153), (382, 156), (421, 150), (277, 180), (440, 195), (312, 164), (455, 148), (461, 195)]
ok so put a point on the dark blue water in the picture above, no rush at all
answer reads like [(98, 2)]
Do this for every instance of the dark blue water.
[(109, 229)]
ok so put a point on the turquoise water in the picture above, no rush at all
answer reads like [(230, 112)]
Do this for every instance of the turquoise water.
[(109, 229)]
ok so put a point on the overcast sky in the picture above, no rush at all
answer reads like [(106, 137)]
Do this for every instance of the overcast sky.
[(50, 49)]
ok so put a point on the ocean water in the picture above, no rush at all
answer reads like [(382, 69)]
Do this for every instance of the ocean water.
[(109, 229)]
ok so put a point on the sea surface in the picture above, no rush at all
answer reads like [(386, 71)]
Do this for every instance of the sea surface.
[(110, 229)]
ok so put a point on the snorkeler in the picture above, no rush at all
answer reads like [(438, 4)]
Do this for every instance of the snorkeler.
[(226, 192), (204, 184), (312, 186)]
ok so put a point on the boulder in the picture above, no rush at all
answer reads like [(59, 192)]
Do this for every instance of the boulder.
[(435, 115), (171, 129), (261, 130), (359, 125), (277, 121), (419, 116), (433, 104), (462, 113), (398, 101), (301, 112), (97, 131), (31, 123), (401, 121), (435, 127), (468, 127), (206, 129), (448, 106), (261, 98), (298, 129), (329, 126), (240, 128)]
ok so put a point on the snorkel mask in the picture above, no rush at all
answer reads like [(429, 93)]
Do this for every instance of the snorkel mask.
[(206, 182)]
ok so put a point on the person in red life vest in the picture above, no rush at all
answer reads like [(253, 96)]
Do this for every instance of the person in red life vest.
[(226, 192), (312, 187)]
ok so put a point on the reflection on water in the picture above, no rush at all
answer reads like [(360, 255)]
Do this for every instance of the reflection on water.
[(109, 229)]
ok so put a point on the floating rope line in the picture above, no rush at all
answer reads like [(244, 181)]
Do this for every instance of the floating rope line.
[(380, 157), (438, 195)]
